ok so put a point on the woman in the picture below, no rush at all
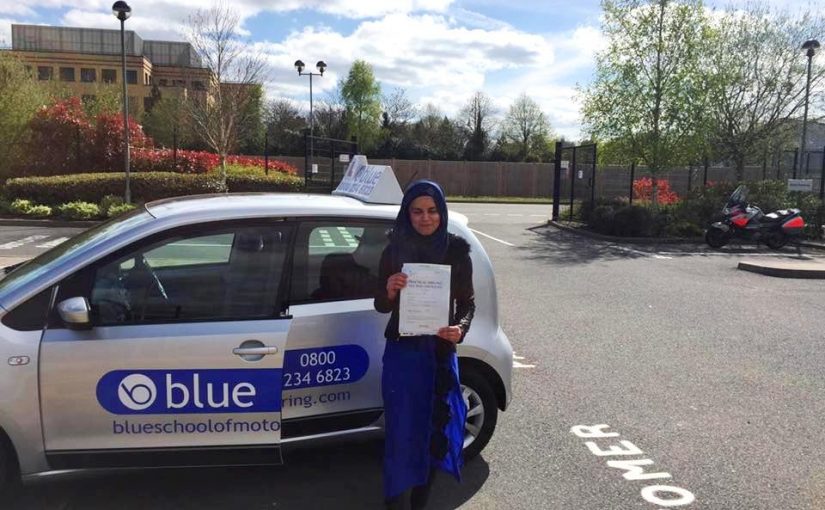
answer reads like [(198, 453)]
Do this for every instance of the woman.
[(423, 407)]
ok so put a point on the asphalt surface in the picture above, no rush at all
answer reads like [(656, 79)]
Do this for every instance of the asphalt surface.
[(714, 374)]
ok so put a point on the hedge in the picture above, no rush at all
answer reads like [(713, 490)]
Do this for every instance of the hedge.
[(271, 182), (145, 186)]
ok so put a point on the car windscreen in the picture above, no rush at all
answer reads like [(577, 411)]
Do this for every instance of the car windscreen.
[(86, 240)]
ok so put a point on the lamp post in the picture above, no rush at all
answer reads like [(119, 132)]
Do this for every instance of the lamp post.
[(122, 11), (811, 46), (321, 66)]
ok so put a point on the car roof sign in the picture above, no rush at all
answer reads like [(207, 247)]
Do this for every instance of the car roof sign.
[(372, 184)]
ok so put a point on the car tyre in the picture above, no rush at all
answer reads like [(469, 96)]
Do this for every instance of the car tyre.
[(482, 412), (9, 475)]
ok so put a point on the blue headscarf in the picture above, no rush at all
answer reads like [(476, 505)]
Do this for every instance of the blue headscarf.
[(409, 245)]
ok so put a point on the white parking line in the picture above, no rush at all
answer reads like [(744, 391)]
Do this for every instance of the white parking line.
[(638, 252), (491, 237), (52, 243), (517, 364), (21, 242)]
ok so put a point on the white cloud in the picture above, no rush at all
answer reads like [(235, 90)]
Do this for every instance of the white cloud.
[(431, 56)]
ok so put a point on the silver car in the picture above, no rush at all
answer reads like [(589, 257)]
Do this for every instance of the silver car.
[(214, 330)]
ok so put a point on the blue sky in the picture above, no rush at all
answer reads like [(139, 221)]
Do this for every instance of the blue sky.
[(439, 51)]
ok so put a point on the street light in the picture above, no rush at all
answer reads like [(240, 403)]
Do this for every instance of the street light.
[(811, 46), (321, 66), (122, 11)]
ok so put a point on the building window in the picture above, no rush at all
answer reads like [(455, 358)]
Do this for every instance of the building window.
[(88, 75), (146, 79), (44, 72), (179, 83), (67, 74), (109, 75), (198, 85), (163, 82), (131, 77)]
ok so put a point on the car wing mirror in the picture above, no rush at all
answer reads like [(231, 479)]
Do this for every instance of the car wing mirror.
[(75, 313)]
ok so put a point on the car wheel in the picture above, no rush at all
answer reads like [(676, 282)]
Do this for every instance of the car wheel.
[(8, 473), (482, 412)]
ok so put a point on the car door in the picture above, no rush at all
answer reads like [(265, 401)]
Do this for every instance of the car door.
[(332, 369), (183, 361)]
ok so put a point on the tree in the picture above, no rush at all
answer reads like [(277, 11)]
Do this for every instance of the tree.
[(758, 82), (477, 117), (168, 124), (397, 113), (331, 116), (285, 124), (251, 127), (650, 90), (362, 97), (20, 97), (527, 128), (220, 113)]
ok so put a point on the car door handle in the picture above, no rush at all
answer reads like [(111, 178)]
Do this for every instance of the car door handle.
[(254, 351)]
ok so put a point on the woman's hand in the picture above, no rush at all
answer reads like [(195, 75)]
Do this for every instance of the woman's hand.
[(395, 283), (450, 333)]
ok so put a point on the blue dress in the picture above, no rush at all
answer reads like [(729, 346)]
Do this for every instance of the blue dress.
[(424, 412)]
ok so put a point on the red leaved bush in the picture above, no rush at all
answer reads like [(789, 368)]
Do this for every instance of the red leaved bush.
[(65, 140), (107, 147), (59, 138), (643, 190)]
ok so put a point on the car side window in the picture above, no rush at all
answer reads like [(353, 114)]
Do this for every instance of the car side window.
[(337, 260), (31, 314), (233, 273)]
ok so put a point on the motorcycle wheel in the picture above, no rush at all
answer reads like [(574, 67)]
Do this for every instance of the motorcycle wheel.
[(776, 240), (716, 238)]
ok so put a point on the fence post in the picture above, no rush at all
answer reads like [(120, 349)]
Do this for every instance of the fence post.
[(593, 185), (632, 178), (556, 181), (822, 177), (266, 151), (573, 174), (705, 179), (331, 166), (306, 157), (795, 161), (690, 178)]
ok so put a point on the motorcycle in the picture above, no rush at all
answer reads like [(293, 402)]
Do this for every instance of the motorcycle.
[(748, 222)]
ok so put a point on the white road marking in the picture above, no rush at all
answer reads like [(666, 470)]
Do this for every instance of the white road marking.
[(517, 364), (638, 252), (519, 215), (491, 237), (492, 214), (21, 242), (539, 215), (52, 243)]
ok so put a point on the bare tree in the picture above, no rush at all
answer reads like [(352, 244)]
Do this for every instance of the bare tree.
[(477, 116), (285, 124), (525, 126), (220, 113)]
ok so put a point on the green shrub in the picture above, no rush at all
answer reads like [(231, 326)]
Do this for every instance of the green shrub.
[(39, 211), (633, 221), (5, 206), (118, 209), (682, 228), (20, 206), (107, 202), (79, 210), (145, 186), (813, 212), (271, 182), (601, 220), (240, 170)]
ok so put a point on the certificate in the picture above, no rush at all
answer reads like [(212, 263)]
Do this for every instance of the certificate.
[(424, 305)]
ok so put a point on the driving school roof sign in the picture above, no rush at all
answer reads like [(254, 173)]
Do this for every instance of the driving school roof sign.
[(373, 184)]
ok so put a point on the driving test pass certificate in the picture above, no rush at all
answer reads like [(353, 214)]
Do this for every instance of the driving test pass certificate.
[(424, 305)]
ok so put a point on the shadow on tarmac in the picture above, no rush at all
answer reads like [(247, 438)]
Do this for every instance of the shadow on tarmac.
[(345, 476)]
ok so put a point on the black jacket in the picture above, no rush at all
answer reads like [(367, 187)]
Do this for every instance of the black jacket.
[(462, 296)]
